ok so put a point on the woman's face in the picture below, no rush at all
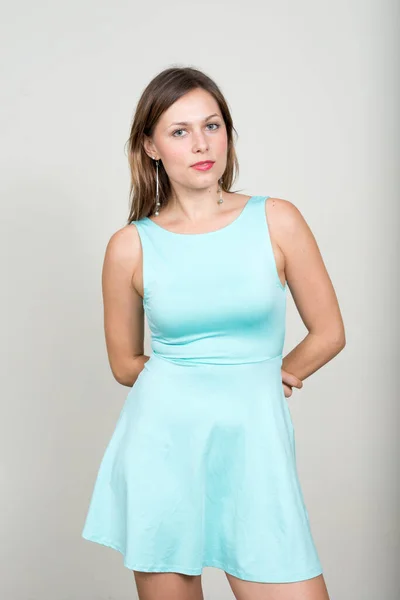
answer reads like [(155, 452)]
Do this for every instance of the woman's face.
[(179, 146)]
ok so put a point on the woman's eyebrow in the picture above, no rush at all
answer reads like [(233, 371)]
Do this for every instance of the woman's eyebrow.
[(187, 123)]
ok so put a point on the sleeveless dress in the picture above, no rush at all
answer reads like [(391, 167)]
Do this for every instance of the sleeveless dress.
[(201, 467)]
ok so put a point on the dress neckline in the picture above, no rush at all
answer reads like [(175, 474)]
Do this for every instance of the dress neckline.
[(175, 233)]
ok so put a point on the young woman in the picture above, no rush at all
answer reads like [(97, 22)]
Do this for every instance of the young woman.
[(201, 468)]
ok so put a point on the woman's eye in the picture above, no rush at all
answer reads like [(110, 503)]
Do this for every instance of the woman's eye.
[(178, 130)]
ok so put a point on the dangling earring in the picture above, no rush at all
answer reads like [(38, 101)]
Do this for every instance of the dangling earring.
[(220, 200), (156, 212)]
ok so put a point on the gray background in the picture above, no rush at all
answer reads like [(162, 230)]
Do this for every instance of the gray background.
[(314, 91)]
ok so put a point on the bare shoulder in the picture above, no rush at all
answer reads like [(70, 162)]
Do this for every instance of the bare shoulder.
[(283, 213), (124, 249), (285, 221)]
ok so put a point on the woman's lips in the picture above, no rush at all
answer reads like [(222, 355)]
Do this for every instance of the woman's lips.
[(204, 166)]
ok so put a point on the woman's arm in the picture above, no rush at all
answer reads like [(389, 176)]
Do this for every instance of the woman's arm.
[(123, 307), (311, 289)]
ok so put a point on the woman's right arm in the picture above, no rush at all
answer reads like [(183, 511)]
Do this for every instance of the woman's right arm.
[(123, 307)]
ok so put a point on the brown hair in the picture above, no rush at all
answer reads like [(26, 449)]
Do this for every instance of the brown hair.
[(162, 91)]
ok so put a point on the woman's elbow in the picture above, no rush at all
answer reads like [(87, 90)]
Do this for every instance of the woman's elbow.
[(337, 339), (122, 374)]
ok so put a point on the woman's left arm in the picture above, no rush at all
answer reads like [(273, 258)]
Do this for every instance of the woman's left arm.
[(311, 289)]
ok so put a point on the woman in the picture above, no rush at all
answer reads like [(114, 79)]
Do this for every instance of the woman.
[(201, 468)]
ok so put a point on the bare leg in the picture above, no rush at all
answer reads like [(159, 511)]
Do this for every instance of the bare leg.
[(309, 589), (168, 586)]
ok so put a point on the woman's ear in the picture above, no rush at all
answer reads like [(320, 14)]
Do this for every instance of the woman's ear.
[(149, 147)]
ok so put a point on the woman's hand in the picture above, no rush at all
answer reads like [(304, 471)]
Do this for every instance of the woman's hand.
[(290, 381)]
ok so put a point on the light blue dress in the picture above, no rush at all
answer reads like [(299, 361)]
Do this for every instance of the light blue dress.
[(201, 467)]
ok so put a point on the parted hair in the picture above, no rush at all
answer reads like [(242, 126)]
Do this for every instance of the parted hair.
[(162, 91)]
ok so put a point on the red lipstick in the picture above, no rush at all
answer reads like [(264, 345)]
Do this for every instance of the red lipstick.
[(203, 165)]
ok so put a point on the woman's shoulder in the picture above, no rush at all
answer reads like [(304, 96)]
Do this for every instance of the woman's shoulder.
[(124, 247), (287, 224), (282, 214)]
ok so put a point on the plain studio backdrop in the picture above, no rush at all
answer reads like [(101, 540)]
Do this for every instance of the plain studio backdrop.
[(314, 91)]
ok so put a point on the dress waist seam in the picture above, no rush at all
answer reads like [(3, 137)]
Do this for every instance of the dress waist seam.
[(221, 363)]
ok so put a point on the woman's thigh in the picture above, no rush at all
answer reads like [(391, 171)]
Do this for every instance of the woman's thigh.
[(168, 586), (309, 589)]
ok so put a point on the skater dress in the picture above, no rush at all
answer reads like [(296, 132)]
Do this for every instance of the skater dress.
[(201, 467)]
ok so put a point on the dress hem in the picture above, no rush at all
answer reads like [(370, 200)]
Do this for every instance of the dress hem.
[(162, 568)]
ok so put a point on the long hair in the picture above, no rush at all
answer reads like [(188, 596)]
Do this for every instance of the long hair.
[(162, 91)]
